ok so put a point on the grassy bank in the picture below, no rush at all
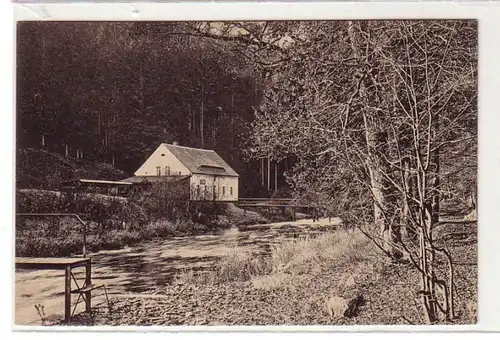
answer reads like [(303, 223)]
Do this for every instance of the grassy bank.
[(344, 250), (302, 274), (289, 285)]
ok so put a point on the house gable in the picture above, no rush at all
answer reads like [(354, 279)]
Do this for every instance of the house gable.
[(167, 162)]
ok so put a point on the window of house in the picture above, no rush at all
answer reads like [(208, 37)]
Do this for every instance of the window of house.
[(197, 191), (223, 191), (231, 191), (202, 181), (158, 171), (167, 171)]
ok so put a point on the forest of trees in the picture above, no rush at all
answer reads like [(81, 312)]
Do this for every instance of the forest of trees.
[(111, 92)]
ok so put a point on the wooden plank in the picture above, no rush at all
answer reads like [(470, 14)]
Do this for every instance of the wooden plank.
[(49, 262), (87, 288)]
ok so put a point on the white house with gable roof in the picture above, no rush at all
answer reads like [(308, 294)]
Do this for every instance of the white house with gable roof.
[(209, 176)]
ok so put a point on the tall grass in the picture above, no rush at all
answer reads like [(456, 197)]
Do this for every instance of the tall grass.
[(340, 248), (337, 248)]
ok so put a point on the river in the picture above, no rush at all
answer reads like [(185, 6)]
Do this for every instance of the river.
[(149, 266)]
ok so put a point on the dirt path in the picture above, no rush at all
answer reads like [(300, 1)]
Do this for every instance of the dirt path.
[(150, 266)]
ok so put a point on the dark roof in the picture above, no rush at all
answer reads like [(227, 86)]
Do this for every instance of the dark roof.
[(201, 161), (153, 179)]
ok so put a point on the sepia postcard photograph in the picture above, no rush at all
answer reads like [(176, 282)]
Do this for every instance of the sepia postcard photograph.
[(246, 173)]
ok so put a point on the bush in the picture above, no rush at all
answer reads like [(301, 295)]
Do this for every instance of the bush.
[(163, 200), (43, 201), (106, 211), (160, 228), (119, 239), (48, 238), (277, 214)]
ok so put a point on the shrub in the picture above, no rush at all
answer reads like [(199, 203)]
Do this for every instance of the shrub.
[(42, 201), (159, 228), (163, 200), (241, 266), (106, 211), (49, 237), (119, 239), (111, 221)]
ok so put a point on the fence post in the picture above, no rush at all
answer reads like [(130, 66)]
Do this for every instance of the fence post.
[(84, 225)]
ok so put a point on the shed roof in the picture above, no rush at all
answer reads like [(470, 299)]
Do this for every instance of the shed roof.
[(201, 161), (94, 182)]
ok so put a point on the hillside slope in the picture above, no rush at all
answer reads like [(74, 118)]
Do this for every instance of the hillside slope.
[(45, 170)]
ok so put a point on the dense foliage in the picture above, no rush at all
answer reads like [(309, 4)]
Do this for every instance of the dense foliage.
[(111, 92)]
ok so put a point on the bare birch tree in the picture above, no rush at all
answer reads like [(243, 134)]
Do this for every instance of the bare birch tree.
[(371, 109)]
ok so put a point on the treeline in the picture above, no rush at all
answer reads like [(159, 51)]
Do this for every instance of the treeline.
[(111, 92)]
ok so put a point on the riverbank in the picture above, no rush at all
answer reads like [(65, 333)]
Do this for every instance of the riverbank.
[(212, 280), (296, 295), (148, 266)]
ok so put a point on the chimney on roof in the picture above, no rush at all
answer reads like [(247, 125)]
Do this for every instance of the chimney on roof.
[(175, 142)]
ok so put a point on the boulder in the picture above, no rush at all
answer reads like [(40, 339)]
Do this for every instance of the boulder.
[(338, 306)]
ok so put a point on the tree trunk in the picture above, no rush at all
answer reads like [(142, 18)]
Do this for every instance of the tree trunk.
[(268, 173), (262, 173), (435, 182), (375, 145), (232, 120), (276, 176), (201, 116), (374, 140), (214, 132), (405, 214)]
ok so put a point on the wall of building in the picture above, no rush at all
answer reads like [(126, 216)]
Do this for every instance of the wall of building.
[(162, 157), (202, 188)]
